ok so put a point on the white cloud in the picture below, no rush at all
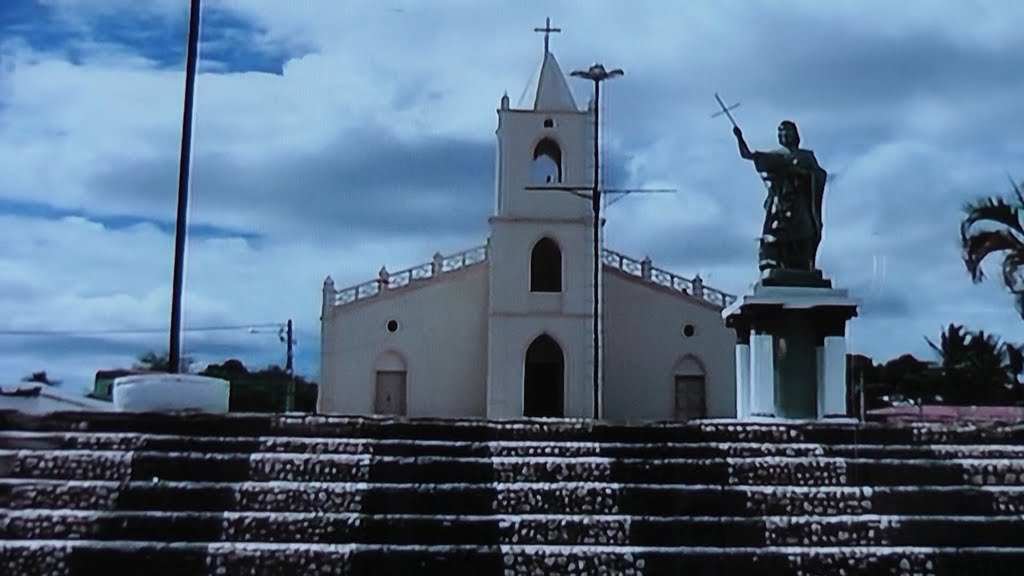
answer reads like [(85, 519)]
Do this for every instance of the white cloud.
[(909, 106)]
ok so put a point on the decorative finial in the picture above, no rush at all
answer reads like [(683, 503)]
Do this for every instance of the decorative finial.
[(504, 101), (547, 30)]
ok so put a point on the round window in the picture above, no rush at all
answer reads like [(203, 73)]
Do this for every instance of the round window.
[(392, 325), (689, 330)]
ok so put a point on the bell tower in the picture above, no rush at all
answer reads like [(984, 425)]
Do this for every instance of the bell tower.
[(541, 266)]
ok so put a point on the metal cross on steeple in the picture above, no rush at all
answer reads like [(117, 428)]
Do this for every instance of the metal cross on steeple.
[(547, 30)]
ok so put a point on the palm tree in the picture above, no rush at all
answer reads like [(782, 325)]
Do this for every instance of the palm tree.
[(978, 368), (1007, 237)]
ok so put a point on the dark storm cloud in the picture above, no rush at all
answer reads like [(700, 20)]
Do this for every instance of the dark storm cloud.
[(89, 346), (693, 246), (367, 182), (854, 75), (362, 182), (835, 64)]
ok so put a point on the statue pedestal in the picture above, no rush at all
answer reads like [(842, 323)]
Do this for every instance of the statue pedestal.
[(791, 351)]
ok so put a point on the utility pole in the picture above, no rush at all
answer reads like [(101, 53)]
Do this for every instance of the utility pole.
[(289, 338), (184, 166)]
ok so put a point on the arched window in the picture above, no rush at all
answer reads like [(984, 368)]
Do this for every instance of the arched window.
[(547, 163), (546, 266)]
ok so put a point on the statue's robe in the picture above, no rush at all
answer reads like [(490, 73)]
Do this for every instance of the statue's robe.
[(793, 209)]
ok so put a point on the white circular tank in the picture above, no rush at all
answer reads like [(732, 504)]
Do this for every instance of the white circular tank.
[(171, 393)]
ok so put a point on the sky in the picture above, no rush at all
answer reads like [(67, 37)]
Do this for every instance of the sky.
[(332, 138)]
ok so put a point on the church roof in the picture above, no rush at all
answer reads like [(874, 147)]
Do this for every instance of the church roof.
[(548, 89)]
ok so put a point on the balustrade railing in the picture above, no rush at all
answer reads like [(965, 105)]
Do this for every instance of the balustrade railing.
[(472, 257), (693, 287), (391, 281)]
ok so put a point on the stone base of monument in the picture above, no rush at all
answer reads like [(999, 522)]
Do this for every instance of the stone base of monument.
[(791, 348)]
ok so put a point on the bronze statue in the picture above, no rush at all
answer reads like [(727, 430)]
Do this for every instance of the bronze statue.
[(793, 218)]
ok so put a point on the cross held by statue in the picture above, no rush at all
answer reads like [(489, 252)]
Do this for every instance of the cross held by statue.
[(547, 30)]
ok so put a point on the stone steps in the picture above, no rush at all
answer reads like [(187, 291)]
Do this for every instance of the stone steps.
[(410, 529), (157, 494), (269, 467), (514, 498), (58, 558), (128, 442), (553, 430)]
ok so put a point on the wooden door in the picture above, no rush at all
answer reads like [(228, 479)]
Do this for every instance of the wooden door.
[(690, 402), (390, 393)]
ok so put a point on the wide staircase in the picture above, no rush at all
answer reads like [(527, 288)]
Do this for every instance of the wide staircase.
[(150, 494)]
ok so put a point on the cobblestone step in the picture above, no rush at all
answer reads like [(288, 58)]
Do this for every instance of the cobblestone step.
[(265, 467), (127, 442), (58, 558), (554, 430), (513, 498), (692, 531)]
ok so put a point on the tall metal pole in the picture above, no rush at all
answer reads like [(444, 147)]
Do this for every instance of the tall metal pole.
[(596, 203), (597, 74), (180, 228)]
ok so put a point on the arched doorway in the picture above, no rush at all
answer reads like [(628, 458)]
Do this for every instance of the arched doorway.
[(690, 389), (544, 379)]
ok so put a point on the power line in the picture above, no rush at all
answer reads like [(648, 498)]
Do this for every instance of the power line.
[(116, 331)]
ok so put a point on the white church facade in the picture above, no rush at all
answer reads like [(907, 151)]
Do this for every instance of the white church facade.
[(505, 330)]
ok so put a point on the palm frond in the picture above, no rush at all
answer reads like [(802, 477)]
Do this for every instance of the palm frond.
[(979, 245), (996, 210), (1016, 189), (1013, 270), (1014, 358)]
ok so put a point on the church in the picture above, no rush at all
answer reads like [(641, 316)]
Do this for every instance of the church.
[(506, 330)]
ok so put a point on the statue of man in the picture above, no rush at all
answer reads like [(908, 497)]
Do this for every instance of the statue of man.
[(796, 185)]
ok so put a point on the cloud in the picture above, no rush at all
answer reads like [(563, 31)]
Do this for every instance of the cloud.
[(333, 138)]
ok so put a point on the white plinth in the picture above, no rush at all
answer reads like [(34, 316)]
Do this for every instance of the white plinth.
[(742, 380), (762, 375), (833, 369), (791, 298), (810, 321), (171, 393)]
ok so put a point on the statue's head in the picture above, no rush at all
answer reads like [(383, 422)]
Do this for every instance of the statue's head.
[(789, 137)]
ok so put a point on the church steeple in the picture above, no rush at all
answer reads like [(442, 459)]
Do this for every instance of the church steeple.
[(548, 90)]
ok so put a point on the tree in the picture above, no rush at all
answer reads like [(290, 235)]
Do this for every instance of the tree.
[(262, 390), (977, 368), (40, 378), (153, 362), (1006, 238)]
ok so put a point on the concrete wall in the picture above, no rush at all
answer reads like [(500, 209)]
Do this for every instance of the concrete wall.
[(644, 343), (442, 338)]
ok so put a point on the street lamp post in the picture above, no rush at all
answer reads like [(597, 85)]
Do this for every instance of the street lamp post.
[(597, 74), (184, 165)]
